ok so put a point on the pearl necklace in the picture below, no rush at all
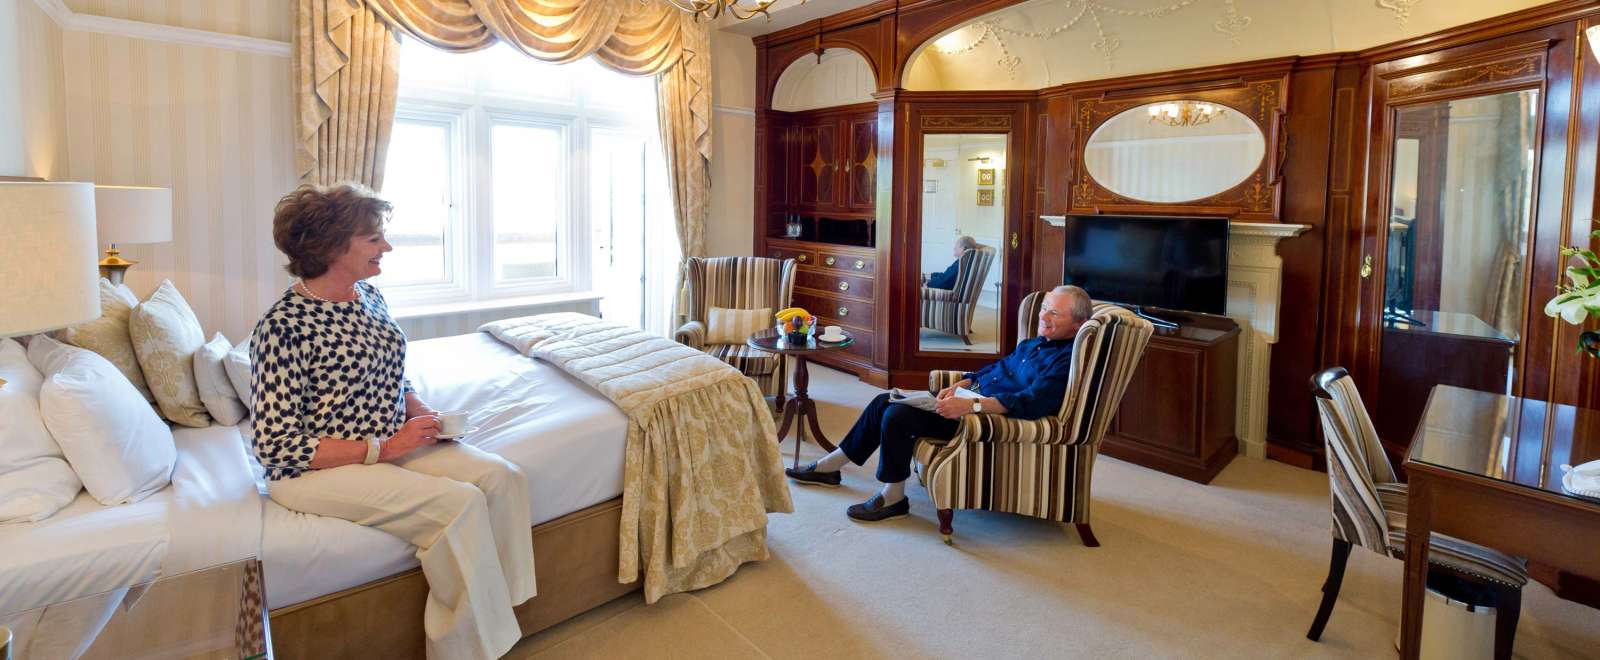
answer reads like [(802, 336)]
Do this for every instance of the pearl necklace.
[(306, 288)]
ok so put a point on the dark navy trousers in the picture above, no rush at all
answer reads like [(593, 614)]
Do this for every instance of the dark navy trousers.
[(894, 429)]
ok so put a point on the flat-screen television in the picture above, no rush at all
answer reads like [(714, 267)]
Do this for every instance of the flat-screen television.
[(1177, 263)]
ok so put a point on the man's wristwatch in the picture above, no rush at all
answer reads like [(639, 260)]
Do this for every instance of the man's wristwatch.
[(372, 452), (977, 405)]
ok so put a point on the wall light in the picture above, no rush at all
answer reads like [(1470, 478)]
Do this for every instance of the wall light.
[(1593, 36)]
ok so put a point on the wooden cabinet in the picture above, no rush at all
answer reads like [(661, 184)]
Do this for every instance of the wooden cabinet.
[(828, 164), (1177, 415), (836, 284), (861, 163)]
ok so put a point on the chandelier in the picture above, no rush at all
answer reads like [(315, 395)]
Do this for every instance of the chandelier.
[(712, 9), (1185, 113)]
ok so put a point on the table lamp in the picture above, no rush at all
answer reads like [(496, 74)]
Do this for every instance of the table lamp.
[(130, 214), (47, 280)]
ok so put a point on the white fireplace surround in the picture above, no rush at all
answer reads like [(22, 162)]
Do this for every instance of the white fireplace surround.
[(1255, 292)]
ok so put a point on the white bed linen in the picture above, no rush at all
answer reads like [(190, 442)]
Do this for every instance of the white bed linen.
[(566, 437)]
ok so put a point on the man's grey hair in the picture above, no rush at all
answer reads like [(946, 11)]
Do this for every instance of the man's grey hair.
[(967, 243), (1082, 306)]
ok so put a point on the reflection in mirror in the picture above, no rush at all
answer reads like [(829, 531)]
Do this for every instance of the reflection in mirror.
[(963, 234), (1174, 151), (1461, 192)]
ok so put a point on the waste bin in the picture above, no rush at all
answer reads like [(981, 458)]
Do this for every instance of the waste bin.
[(1457, 620)]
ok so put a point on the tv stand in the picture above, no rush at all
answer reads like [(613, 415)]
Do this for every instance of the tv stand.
[(1177, 415)]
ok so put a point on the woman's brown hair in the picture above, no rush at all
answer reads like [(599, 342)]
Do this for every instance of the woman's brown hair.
[(314, 224)]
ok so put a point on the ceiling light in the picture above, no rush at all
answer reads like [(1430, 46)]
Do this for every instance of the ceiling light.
[(713, 9)]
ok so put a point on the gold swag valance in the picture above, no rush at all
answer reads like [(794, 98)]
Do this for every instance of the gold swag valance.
[(640, 38)]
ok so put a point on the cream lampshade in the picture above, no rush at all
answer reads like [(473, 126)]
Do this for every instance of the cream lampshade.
[(130, 214), (47, 278)]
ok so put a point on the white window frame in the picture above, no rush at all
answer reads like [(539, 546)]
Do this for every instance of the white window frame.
[(458, 232)]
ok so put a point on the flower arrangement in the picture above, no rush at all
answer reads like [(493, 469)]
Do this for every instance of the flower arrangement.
[(1579, 298)]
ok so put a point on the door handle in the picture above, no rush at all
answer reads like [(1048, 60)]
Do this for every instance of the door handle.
[(1013, 240), (1366, 267)]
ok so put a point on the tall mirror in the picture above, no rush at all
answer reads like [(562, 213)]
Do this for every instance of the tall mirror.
[(963, 241), (1456, 266)]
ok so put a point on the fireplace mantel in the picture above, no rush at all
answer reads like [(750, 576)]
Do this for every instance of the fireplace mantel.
[(1255, 291)]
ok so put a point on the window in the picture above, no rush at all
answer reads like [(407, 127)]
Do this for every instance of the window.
[(514, 178)]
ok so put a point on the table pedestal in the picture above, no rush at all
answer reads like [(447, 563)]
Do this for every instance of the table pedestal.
[(800, 408)]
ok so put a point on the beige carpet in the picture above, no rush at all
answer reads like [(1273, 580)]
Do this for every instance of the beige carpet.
[(1229, 570)]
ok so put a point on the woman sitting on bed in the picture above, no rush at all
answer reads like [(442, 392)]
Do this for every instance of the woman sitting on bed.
[(341, 432)]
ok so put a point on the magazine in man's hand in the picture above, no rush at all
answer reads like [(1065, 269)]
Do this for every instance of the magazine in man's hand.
[(924, 400)]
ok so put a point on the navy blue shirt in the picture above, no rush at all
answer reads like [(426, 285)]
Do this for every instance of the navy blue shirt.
[(1031, 381), (947, 279)]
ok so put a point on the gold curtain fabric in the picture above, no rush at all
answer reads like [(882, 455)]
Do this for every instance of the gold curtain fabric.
[(346, 73), (634, 37)]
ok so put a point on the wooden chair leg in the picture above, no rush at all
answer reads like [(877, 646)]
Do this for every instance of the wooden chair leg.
[(1508, 608), (1089, 541), (945, 515), (966, 339), (1330, 588)]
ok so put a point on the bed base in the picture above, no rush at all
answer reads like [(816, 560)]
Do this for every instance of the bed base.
[(576, 569)]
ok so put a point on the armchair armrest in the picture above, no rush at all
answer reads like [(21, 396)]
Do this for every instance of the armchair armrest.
[(941, 295), (692, 334), (940, 379), (1002, 430)]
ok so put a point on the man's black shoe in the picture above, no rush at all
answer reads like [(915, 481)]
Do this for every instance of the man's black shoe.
[(873, 509), (809, 476)]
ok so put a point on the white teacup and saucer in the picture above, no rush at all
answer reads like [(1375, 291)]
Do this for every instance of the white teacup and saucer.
[(832, 333), (453, 425)]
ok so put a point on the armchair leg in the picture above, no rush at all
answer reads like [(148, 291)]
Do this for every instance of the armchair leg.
[(1508, 608), (945, 515), (1330, 588), (967, 339), (1089, 541)]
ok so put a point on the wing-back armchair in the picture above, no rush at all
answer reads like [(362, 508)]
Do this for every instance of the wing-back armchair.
[(950, 310), (738, 283), (1039, 467)]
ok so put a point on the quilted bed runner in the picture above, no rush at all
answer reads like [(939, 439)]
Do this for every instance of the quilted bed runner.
[(701, 469)]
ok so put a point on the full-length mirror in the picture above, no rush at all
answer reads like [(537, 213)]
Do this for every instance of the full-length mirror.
[(1174, 151), (1456, 257), (963, 235)]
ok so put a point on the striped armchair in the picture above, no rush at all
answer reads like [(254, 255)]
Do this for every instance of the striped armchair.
[(1369, 510), (950, 310), (1040, 467), (738, 283)]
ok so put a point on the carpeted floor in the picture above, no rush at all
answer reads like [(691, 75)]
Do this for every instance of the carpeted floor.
[(1228, 570)]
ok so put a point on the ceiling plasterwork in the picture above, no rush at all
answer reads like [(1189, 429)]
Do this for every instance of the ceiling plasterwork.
[(1401, 9), (1085, 12)]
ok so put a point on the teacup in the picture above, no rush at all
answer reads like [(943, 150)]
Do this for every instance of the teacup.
[(832, 331), (453, 422)]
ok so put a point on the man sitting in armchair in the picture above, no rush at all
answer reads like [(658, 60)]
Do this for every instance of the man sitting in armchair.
[(947, 279), (1029, 383)]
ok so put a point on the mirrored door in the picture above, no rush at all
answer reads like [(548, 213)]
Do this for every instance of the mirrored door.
[(1456, 266), (963, 242)]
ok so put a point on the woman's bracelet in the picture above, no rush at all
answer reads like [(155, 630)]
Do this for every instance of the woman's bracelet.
[(372, 452)]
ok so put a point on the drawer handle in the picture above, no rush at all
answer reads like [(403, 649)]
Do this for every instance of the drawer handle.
[(843, 312), (801, 258), (844, 286), (860, 264), (828, 261)]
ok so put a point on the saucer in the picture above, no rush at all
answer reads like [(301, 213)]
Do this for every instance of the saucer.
[(465, 431), (1570, 485), (834, 339)]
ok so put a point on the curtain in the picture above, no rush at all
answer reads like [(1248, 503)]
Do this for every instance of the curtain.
[(345, 78), (1503, 309), (640, 38)]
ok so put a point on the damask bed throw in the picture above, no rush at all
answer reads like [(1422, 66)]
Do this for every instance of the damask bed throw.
[(701, 468)]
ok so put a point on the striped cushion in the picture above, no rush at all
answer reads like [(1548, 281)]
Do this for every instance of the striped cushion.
[(747, 360), (733, 326), (1448, 551)]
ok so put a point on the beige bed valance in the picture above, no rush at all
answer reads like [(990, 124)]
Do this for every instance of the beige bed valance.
[(347, 75)]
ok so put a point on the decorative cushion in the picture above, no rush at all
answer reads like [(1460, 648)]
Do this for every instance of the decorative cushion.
[(108, 335), (216, 391), (1449, 551), (237, 364), (748, 361), (121, 450), (35, 481), (733, 326), (165, 335)]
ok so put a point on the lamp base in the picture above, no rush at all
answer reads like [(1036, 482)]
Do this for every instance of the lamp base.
[(114, 267)]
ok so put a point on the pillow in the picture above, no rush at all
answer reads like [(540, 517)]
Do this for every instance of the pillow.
[(118, 446), (108, 335), (237, 364), (733, 326), (165, 336), (216, 392), (35, 481)]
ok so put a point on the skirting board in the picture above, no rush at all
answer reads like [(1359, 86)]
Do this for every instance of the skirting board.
[(576, 568)]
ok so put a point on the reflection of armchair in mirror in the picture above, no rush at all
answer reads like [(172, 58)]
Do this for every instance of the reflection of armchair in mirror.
[(951, 310)]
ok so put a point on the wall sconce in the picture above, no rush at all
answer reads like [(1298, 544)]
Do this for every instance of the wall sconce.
[(1592, 34)]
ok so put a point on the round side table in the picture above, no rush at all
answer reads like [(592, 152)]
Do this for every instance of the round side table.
[(798, 408)]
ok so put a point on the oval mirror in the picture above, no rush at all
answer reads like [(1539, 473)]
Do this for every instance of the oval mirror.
[(1174, 151)]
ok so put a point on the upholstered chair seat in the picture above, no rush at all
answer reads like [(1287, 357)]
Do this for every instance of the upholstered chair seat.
[(1041, 467), (738, 283)]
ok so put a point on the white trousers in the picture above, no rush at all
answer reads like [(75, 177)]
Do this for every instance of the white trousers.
[(466, 511)]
